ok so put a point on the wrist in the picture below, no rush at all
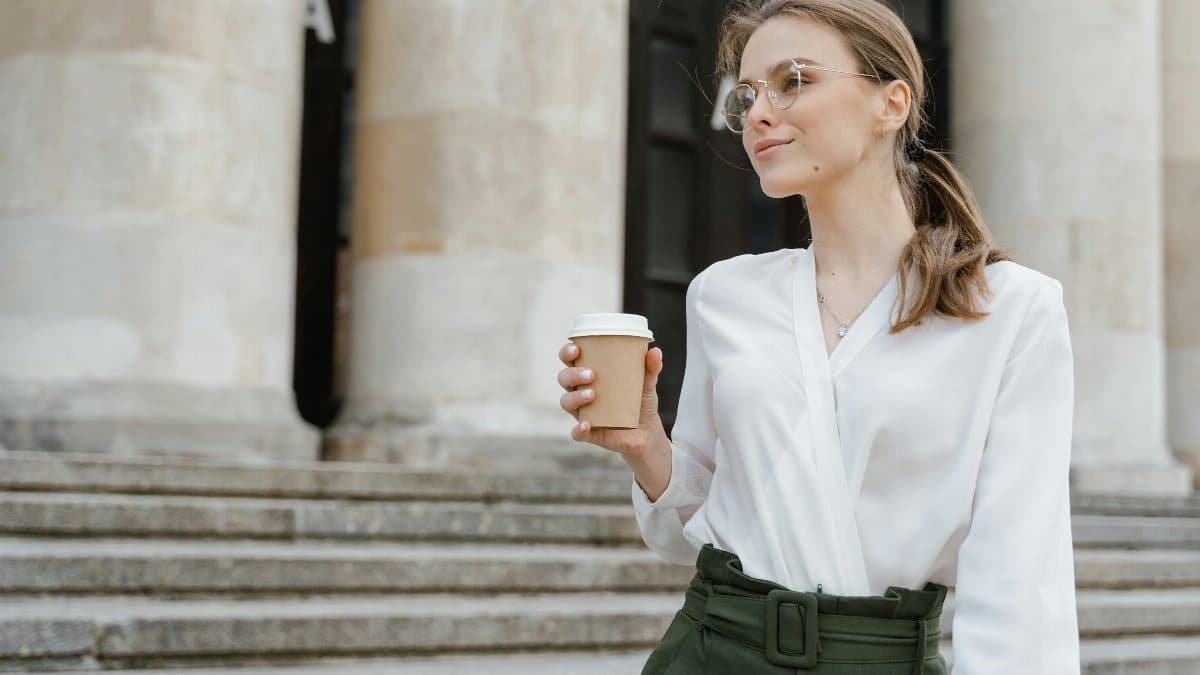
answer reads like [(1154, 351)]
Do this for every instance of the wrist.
[(656, 447), (651, 459)]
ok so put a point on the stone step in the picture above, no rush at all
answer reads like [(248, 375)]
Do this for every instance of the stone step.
[(139, 515), (1157, 655), (41, 472), (119, 630), (599, 662), (61, 472), (1154, 655), (1106, 531), (1184, 506), (33, 513), (1126, 656), (110, 566), (140, 632), (107, 566), (1138, 568), (1108, 613)]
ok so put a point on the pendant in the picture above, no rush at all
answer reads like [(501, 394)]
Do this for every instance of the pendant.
[(842, 330)]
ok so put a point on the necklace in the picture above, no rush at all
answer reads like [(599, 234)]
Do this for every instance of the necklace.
[(842, 325)]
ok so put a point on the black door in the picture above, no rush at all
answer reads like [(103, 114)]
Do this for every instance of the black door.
[(323, 228)]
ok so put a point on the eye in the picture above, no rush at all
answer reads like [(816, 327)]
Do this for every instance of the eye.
[(791, 83)]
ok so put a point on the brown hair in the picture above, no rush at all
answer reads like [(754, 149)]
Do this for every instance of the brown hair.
[(952, 244)]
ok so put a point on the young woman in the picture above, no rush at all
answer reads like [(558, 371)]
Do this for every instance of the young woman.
[(831, 479)]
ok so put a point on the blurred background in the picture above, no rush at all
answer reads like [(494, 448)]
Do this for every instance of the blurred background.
[(283, 282)]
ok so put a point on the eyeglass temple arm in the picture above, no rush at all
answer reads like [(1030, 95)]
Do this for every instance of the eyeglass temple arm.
[(806, 65), (800, 66)]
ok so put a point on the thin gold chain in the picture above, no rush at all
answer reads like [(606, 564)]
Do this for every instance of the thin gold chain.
[(842, 325)]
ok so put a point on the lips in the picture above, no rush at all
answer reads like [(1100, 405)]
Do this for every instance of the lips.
[(763, 147)]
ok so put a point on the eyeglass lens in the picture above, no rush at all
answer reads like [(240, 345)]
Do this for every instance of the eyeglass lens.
[(783, 83)]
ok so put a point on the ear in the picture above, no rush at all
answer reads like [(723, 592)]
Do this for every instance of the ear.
[(897, 100)]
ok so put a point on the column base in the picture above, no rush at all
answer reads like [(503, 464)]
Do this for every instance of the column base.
[(1191, 459), (154, 419), (1154, 480), (442, 446)]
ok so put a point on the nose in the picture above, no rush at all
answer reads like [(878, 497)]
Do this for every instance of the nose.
[(761, 111)]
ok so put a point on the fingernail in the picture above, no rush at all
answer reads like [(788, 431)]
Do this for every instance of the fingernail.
[(587, 393), (586, 373), (571, 349)]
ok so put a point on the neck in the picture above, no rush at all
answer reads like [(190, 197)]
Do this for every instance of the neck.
[(859, 228)]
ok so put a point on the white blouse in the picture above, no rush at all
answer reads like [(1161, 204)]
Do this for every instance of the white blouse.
[(940, 453)]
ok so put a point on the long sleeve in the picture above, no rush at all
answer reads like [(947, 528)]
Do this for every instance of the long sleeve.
[(1014, 601), (693, 440)]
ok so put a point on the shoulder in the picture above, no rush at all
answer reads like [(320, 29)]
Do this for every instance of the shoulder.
[(1017, 289), (1027, 305), (746, 267)]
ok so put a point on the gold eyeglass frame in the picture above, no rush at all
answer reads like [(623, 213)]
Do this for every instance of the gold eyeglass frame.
[(773, 95)]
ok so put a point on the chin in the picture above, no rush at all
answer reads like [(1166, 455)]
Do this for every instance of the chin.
[(774, 192), (778, 189)]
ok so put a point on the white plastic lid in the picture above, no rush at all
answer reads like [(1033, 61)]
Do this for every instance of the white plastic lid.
[(611, 323)]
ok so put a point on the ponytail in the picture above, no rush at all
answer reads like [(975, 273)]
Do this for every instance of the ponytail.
[(951, 246)]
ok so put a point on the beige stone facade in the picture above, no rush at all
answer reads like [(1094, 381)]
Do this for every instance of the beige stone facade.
[(148, 167), (487, 206), (1181, 236), (148, 180), (1064, 145)]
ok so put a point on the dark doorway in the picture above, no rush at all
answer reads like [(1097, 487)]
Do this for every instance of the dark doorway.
[(926, 20), (322, 236)]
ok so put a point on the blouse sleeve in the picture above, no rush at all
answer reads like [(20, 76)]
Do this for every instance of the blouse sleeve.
[(693, 439), (1014, 601)]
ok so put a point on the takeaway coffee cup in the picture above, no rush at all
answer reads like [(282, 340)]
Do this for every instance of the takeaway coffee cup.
[(614, 346)]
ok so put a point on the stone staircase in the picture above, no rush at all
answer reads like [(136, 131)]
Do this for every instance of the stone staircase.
[(192, 567)]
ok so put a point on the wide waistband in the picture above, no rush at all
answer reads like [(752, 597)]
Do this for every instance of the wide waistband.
[(801, 628)]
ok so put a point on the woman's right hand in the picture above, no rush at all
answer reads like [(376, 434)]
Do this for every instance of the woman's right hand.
[(632, 443)]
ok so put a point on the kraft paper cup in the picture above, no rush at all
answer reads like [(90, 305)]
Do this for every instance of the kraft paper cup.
[(614, 346)]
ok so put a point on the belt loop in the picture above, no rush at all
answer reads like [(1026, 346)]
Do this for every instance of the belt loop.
[(922, 636)]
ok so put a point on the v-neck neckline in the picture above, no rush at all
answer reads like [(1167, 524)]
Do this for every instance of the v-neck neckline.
[(839, 476), (860, 331)]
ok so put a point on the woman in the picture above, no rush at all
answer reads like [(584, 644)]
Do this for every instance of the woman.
[(831, 479)]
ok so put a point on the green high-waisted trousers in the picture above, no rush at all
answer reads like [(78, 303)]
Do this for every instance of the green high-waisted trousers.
[(734, 624)]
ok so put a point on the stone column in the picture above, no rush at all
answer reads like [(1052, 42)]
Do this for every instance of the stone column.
[(1062, 140), (1181, 180), (148, 181), (487, 211)]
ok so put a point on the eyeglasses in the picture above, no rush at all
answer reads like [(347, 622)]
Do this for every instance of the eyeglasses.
[(783, 83)]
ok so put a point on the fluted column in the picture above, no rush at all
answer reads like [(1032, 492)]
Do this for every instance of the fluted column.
[(488, 210), (1056, 110), (1181, 179), (148, 172)]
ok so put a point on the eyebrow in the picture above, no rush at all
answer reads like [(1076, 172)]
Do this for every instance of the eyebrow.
[(797, 59)]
